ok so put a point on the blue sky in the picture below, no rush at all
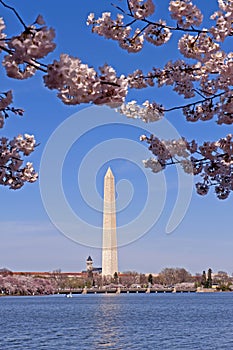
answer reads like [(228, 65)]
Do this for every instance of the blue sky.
[(30, 240)]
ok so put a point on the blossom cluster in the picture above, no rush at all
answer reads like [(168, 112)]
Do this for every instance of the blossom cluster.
[(213, 74), (116, 30), (198, 47), (6, 99), (2, 34), (25, 49), (179, 74), (203, 111), (149, 112), (107, 27), (137, 80), (185, 13), (223, 17), (212, 161), (155, 33), (77, 83), (141, 9), (207, 109), (12, 171)]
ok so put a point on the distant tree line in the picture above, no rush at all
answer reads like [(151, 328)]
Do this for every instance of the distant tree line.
[(57, 282), (25, 285)]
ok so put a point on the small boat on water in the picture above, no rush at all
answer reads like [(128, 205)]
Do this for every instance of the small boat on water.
[(69, 295)]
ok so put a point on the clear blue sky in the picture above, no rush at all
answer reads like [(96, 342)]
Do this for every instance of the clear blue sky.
[(29, 240)]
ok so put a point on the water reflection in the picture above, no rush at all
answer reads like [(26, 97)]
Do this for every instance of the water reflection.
[(110, 323)]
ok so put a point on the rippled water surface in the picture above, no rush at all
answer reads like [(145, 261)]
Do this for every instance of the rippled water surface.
[(125, 321)]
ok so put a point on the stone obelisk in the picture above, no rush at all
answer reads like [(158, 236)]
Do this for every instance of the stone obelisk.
[(109, 246)]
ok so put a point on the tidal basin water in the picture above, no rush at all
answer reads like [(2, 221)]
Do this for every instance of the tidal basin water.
[(125, 321)]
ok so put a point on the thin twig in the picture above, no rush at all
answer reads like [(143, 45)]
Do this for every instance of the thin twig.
[(140, 32), (129, 7), (196, 90), (15, 12), (120, 9)]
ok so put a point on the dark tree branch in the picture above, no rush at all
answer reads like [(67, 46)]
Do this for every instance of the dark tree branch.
[(35, 64)]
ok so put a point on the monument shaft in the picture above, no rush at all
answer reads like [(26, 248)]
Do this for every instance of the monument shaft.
[(109, 246)]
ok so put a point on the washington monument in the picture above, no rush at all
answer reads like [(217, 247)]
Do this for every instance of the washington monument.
[(109, 246)]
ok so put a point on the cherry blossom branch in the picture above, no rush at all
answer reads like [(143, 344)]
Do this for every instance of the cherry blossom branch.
[(193, 104), (12, 172), (215, 167), (34, 64), (149, 22), (177, 28)]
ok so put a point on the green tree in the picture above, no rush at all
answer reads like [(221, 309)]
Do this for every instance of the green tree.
[(209, 279), (206, 282), (150, 279), (115, 277), (203, 279)]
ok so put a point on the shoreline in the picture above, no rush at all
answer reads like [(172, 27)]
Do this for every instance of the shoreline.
[(117, 291)]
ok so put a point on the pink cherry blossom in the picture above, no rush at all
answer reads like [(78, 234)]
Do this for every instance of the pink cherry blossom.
[(142, 9), (185, 13), (26, 48), (158, 34), (149, 112), (78, 83), (2, 34)]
